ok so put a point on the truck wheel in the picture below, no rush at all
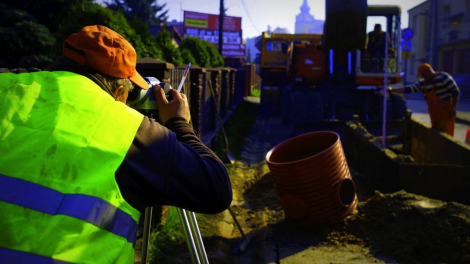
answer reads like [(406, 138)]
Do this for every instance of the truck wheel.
[(298, 107), (306, 106), (378, 109), (316, 105), (399, 105), (285, 103)]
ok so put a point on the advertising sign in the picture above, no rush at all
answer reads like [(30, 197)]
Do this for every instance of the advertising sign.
[(206, 27)]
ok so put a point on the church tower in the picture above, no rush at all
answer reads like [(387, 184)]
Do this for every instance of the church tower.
[(305, 23)]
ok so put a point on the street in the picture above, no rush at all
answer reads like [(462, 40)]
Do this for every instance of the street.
[(418, 106)]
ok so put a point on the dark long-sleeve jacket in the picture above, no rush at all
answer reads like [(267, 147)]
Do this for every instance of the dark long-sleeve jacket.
[(169, 165)]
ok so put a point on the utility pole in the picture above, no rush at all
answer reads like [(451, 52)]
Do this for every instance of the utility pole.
[(221, 25), (435, 38), (433, 33)]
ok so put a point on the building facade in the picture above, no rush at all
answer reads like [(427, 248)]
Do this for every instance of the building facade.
[(441, 37), (305, 23)]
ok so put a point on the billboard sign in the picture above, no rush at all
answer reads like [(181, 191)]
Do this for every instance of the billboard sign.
[(206, 27)]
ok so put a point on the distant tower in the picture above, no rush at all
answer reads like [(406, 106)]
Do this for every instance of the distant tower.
[(305, 23)]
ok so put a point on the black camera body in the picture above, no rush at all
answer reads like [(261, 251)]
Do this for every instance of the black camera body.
[(144, 100)]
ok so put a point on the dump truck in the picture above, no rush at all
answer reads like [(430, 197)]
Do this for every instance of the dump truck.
[(331, 76)]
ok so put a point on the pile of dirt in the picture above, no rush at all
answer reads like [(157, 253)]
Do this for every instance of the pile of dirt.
[(387, 228)]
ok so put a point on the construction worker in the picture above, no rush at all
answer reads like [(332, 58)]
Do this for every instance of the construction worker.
[(376, 47), (441, 94), (78, 166)]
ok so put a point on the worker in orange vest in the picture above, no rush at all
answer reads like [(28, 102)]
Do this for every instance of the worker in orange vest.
[(441, 94)]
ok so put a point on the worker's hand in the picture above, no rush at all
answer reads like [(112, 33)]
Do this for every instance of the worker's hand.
[(177, 106)]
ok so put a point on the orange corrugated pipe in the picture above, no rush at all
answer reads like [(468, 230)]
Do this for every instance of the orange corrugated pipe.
[(313, 179)]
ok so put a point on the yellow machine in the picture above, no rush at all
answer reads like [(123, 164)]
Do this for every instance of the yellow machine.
[(333, 75)]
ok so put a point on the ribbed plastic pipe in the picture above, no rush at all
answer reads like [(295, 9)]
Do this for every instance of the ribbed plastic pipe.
[(313, 179)]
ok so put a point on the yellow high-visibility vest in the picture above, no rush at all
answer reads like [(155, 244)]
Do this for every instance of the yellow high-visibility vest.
[(62, 139)]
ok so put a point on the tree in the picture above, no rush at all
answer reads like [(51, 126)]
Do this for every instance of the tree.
[(24, 42), (50, 13), (146, 10), (149, 47), (94, 14)]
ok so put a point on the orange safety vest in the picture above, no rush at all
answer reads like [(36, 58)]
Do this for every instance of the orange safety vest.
[(439, 110)]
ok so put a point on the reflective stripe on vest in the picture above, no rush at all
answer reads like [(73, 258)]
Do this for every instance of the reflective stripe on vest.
[(87, 208), (14, 256), (62, 139)]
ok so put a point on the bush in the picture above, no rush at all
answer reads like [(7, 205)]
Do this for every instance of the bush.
[(204, 53), (170, 52), (186, 56)]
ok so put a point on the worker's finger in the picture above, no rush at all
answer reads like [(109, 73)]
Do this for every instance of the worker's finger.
[(159, 95), (174, 94)]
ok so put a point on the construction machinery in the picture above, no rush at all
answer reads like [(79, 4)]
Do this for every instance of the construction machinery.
[(332, 76)]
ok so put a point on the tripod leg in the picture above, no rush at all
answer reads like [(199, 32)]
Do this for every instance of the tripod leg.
[(189, 236), (198, 238), (145, 241)]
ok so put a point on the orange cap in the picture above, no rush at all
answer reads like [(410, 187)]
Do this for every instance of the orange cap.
[(105, 51), (423, 68)]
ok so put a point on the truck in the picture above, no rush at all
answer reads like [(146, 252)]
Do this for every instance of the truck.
[(331, 76)]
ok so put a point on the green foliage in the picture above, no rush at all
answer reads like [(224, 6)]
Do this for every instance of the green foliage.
[(256, 93), (94, 14), (216, 60), (146, 10), (24, 43), (19, 29), (149, 45), (186, 56), (169, 51), (168, 239), (198, 51), (204, 53), (50, 13), (167, 243)]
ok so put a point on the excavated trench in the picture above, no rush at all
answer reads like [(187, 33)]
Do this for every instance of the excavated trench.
[(396, 227)]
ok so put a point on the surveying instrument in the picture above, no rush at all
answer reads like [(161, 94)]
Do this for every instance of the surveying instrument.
[(145, 102)]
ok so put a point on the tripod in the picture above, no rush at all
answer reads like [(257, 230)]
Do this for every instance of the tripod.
[(191, 232)]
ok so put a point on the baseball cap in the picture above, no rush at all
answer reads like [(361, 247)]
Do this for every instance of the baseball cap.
[(423, 68), (105, 51)]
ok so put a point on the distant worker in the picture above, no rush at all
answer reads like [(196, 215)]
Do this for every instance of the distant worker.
[(78, 166), (441, 94), (376, 48)]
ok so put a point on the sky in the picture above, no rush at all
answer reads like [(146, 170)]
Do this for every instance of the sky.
[(257, 15)]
